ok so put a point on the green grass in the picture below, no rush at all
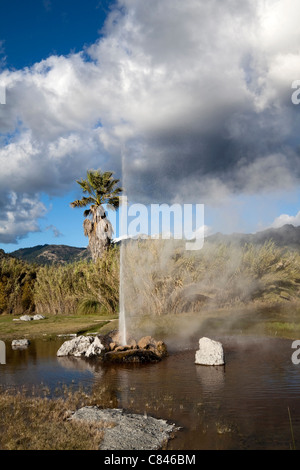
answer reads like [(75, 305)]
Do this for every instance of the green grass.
[(54, 325)]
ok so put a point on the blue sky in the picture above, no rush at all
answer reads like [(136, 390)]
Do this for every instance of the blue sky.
[(163, 94), (30, 32), (35, 29)]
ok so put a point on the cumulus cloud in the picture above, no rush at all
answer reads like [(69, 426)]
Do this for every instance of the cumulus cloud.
[(195, 96), (284, 219), (18, 216)]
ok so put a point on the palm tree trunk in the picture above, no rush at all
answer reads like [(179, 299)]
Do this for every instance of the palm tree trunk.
[(99, 232)]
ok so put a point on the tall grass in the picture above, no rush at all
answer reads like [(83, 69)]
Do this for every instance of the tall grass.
[(84, 287), (17, 281), (162, 277)]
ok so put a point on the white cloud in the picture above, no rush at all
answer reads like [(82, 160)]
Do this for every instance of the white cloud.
[(18, 216), (198, 93), (284, 219)]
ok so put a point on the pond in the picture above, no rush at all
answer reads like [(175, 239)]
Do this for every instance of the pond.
[(242, 405)]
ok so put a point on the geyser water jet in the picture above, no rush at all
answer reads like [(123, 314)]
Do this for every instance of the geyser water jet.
[(122, 314)]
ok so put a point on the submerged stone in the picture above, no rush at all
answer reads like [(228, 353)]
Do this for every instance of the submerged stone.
[(20, 343)]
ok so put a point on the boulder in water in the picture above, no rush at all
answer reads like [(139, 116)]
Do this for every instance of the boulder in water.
[(20, 343), (210, 353), (109, 349), (96, 348), (79, 346)]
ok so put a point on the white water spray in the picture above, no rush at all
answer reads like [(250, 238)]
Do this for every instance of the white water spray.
[(123, 231), (122, 315)]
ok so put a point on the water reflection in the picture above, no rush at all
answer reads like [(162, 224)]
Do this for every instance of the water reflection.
[(212, 378), (81, 365)]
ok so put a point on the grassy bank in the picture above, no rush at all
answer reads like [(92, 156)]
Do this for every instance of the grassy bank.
[(55, 325), (269, 320), (259, 320), (39, 423)]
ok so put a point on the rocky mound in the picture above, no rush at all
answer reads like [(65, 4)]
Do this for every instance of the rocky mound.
[(108, 348), (128, 431)]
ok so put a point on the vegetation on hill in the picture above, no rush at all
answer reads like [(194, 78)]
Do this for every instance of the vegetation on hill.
[(17, 280), (161, 277), (286, 236), (164, 277), (51, 254)]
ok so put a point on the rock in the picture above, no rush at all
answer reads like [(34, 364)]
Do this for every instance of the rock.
[(20, 343), (132, 356), (105, 347), (30, 318), (26, 318), (145, 342), (75, 347), (38, 317), (113, 336), (132, 343), (71, 335), (87, 346), (95, 349), (128, 431), (149, 343), (161, 349), (210, 353), (122, 348)]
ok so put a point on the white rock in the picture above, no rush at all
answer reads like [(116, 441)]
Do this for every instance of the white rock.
[(20, 343), (75, 347), (95, 349), (38, 317), (210, 353), (26, 318)]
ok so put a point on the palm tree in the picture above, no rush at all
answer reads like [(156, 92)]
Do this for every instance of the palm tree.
[(98, 188)]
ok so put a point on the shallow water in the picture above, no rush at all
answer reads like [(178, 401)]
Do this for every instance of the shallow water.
[(243, 405)]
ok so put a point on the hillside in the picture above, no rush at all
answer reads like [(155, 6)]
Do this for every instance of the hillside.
[(51, 254), (286, 236)]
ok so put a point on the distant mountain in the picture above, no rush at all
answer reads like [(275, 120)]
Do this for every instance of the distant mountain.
[(286, 236), (3, 254), (51, 254)]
